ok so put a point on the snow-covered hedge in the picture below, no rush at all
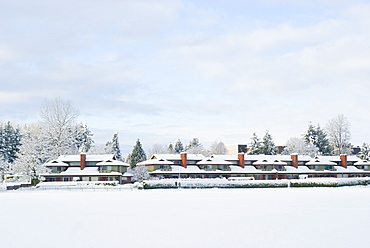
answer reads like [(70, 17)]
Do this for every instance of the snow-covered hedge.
[(212, 183), (330, 182), (224, 183)]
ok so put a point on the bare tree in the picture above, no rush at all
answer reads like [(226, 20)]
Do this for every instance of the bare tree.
[(299, 146), (157, 149), (218, 148), (339, 134), (58, 117)]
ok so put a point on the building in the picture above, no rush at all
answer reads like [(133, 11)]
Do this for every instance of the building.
[(236, 148), (87, 168), (260, 167)]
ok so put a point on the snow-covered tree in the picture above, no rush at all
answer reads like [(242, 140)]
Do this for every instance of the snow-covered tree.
[(299, 146), (112, 147), (194, 147), (218, 148), (317, 137), (82, 140), (5, 168), (170, 149), (255, 145), (339, 134), (365, 152), (33, 153), (97, 150), (157, 149), (139, 173), (137, 155), (268, 145), (10, 141), (179, 147), (58, 118)]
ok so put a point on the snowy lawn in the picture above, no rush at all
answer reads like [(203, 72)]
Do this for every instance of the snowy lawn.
[(279, 217)]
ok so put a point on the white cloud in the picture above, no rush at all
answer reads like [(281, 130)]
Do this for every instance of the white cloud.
[(184, 69)]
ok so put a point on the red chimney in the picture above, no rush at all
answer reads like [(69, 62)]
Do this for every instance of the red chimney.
[(343, 160), (241, 159), (82, 161), (294, 158), (184, 159)]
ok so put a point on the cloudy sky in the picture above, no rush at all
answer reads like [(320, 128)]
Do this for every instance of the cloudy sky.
[(167, 69)]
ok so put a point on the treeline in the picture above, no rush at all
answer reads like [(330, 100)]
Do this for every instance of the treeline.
[(24, 150)]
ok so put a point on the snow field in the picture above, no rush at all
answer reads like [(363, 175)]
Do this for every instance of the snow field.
[(279, 217)]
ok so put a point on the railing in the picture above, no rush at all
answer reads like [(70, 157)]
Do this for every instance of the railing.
[(78, 188)]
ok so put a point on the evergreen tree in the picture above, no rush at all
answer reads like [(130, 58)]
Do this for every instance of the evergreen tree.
[(268, 146), (170, 149), (137, 155), (179, 148), (365, 152), (255, 145), (10, 141), (81, 138), (112, 147), (194, 147), (317, 137)]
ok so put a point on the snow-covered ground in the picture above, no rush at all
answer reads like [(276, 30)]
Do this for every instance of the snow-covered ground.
[(279, 217)]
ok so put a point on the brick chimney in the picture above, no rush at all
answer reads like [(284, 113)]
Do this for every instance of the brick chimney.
[(343, 160), (82, 161), (294, 158), (184, 159), (241, 159)]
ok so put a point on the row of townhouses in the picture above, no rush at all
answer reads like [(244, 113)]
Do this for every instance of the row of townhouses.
[(261, 167)]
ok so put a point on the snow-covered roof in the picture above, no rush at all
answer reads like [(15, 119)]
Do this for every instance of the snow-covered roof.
[(213, 160), (337, 158), (112, 163), (301, 168), (128, 174), (77, 170), (55, 163), (289, 158), (246, 169), (268, 161), (226, 157), (177, 156), (362, 162), (89, 158), (349, 169), (87, 171), (254, 157), (322, 160), (156, 162)]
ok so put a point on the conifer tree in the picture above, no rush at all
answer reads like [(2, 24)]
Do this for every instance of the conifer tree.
[(268, 145), (194, 146), (112, 147), (137, 155), (365, 152), (179, 147), (317, 137), (81, 138), (10, 141), (170, 149), (255, 145)]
